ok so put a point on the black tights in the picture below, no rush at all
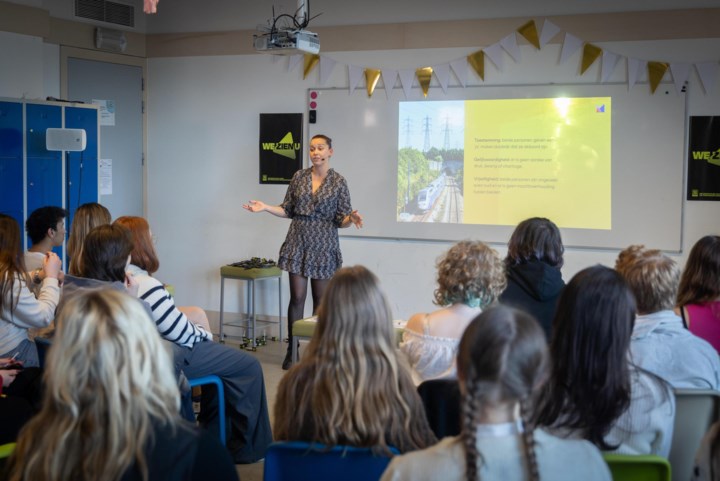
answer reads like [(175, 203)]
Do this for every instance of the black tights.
[(298, 293)]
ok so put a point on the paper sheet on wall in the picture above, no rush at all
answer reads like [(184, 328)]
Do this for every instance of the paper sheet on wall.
[(105, 176), (107, 111)]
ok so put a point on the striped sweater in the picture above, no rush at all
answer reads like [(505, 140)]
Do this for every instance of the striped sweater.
[(172, 324)]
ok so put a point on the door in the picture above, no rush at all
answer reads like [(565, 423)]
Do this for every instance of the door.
[(121, 131)]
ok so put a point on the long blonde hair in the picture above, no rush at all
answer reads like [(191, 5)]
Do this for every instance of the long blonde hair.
[(86, 217), (108, 380), (349, 387)]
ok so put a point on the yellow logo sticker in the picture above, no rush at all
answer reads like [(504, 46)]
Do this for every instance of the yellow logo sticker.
[(286, 147)]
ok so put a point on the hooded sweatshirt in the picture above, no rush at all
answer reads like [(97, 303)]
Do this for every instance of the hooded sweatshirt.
[(534, 287)]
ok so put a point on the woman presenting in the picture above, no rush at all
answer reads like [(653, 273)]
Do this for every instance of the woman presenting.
[(318, 202)]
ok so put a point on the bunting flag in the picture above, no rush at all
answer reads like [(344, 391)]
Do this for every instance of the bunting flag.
[(571, 45), (549, 30), (494, 53), (635, 67), (372, 76), (590, 54), (442, 73), (424, 76), (460, 66), (406, 79), (609, 62), (530, 33), (326, 67), (389, 78), (150, 6), (656, 72), (680, 74), (354, 76), (708, 73), (294, 61), (477, 62), (510, 45), (310, 61)]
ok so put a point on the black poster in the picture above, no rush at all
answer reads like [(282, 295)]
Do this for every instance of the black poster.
[(704, 159), (280, 147)]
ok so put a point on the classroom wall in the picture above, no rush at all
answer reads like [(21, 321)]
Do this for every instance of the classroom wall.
[(203, 131)]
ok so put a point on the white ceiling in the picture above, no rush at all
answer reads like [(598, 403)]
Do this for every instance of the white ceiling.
[(223, 15)]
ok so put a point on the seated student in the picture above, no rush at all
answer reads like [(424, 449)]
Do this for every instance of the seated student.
[(594, 391), (46, 229), (349, 388), (533, 263), (20, 310), (502, 361), (660, 343), (698, 298), (707, 459), (470, 277), (87, 217), (106, 254), (111, 404)]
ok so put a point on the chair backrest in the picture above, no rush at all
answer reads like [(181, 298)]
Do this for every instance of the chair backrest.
[(696, 411), (441, 398), (298, 461), (625, 467)]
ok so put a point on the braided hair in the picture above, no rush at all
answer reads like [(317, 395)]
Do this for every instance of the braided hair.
[(502, 359)]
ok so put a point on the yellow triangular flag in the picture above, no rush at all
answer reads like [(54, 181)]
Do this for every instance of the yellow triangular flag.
[(310, 61), (371, 79), (590, 54), (477, 62), (424, 75), (656, 72), (529, 31)]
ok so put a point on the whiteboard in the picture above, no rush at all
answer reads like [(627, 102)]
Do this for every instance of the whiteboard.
[(647, 179)]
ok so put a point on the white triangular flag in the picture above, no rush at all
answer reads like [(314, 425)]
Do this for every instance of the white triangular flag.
[(510, 45), (355, 74), (442, 72), (389, 78), (680, 73), (494, 52), (294, 61), (609, 62), (406, 79), (571, 45), (326, 67), (549, 30), (635, 67), (708, 73), (460, 67)]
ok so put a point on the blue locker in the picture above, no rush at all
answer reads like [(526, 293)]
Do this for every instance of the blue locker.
[(11, 160), (82, 168)]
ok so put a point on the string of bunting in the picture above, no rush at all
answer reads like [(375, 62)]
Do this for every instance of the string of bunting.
[(656, 70)]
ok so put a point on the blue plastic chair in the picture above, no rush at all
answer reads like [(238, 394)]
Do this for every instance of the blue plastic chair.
[(212, 379), (298, 461)]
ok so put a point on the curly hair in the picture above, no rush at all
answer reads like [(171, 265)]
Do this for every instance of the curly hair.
[(350, 387), (469, 270), (652, 277)]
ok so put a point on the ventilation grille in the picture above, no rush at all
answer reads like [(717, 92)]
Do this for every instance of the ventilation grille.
[(105, 11)]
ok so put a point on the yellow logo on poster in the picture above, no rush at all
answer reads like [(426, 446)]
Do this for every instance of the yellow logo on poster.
[(286, 147)]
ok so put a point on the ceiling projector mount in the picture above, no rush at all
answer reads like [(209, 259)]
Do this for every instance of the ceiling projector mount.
[(286, 35)]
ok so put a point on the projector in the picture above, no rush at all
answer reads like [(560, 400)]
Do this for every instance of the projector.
[(287, 42)]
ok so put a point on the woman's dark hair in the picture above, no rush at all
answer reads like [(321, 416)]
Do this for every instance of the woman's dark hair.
[(105, 253), (589, 386), (538, 239), (502, 358), (700, 280), (327, 139)]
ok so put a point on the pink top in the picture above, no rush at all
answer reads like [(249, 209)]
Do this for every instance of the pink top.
[(705, 322)]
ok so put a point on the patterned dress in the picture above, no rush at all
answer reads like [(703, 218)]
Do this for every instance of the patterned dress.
[(312, 248)]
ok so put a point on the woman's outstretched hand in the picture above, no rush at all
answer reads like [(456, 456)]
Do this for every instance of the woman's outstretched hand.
[(356, 219), (255, 206)]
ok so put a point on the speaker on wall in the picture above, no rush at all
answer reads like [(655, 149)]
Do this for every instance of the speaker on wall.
[(109, 39), (70, 140)]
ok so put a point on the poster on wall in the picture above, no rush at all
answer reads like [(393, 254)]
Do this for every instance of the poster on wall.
[(704, 159), (280, 147)]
